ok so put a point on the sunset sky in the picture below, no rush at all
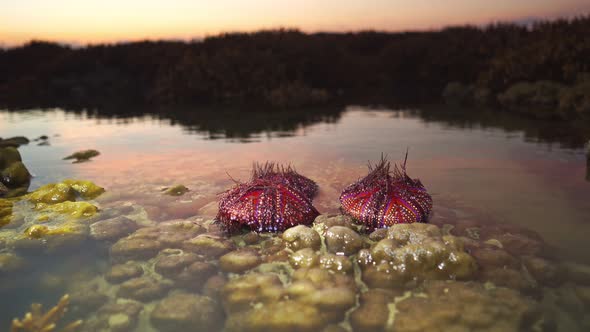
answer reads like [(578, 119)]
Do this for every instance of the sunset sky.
[(84, 21)]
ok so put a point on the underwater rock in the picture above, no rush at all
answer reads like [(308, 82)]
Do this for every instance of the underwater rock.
[(343, 241), (415, 251), (301, 236), (238, 293), (87, 296), (122, 272), (176, 190), (120, 316), (372, 313), (544, 271), (5, 211), (194, 276), (335, 263), (207, 245), (171, 264), (134, 248), (144, 288), (112, 229), (82, 156), (187, 312), (239, 261), (384, 198), (275, 199), (450, 306), (282, 316), (578, 273)]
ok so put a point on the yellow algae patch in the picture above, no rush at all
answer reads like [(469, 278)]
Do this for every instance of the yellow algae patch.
[(66, 190), (72, 209), (86, 189), (5, 211), (39, 231)]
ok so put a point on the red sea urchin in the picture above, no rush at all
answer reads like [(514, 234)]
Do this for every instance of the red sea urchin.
[(384, 198), (274, 199)]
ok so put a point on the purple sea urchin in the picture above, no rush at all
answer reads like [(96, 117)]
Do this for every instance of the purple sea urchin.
[(274, 199), (384, 198)]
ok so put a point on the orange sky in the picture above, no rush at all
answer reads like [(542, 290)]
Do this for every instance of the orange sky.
[(81, 21)]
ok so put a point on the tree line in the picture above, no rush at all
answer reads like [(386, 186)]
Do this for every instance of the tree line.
[(541, 70)]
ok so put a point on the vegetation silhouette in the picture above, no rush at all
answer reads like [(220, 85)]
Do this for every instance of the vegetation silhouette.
[(541, 70)]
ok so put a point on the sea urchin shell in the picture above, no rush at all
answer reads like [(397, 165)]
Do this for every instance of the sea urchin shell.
[(274, 199), (384, 198)]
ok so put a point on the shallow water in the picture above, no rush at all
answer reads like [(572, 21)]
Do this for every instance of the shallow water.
[(488, 172)]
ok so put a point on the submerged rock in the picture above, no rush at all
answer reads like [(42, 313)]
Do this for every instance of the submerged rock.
[(283, 316), (112, 229), (177, 190), (144, 288), (415, 251), (187, 312), (82, 156), (451, 306), (240, 260), (122, 272)]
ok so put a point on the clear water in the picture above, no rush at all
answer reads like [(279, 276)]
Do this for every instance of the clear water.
[(498, 170)]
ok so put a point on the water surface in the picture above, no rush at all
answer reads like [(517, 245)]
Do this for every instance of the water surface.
[(497, 169)]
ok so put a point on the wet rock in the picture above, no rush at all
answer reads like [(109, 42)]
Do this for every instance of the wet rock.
[(378, 234), (65, 191), (284, 316), (335, 263), (187, 312), (15, 175), (82, 156), (304, 258), (14, 142), (453, 306), (324, 221), (134, 248), (177, 190), (343, 240), (121, 272), (112, 229), (144, 288), (210, 246), (239, 261), (172, 264), (301, 236), (415, 251)]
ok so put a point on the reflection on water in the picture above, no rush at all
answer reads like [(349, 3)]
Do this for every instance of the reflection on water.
[(513, 189)]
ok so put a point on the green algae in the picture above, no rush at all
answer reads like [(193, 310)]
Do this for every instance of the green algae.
[(14, 175), (64, 191), (177, 190), (5, 211)]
